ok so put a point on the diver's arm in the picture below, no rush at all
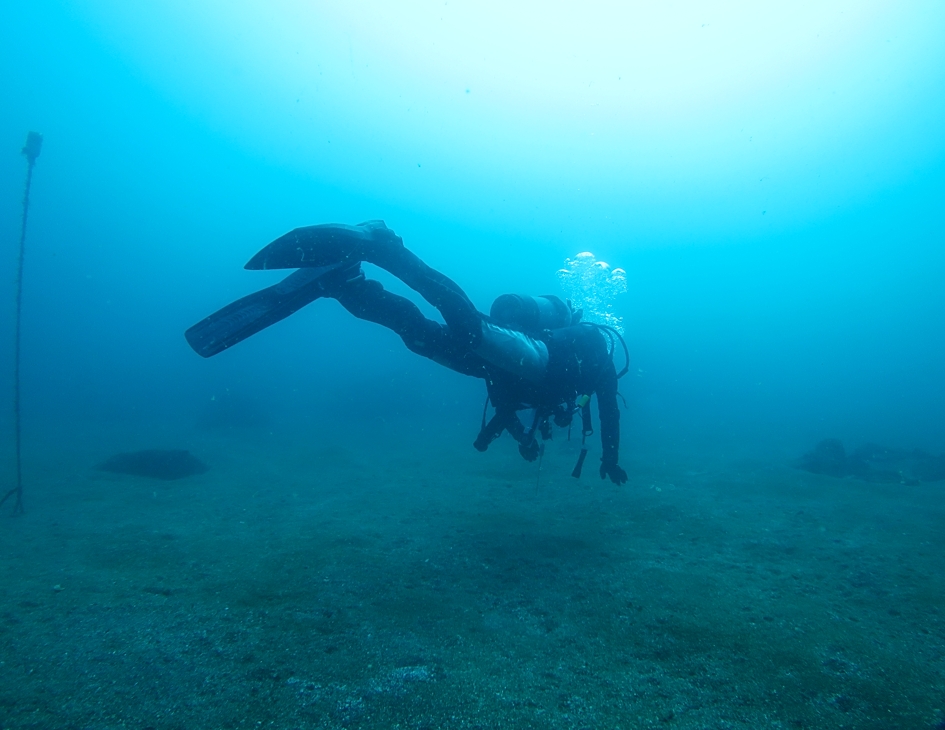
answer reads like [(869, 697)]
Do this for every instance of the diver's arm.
[(609, 425)]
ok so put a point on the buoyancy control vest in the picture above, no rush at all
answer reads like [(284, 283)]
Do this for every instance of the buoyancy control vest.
[(577, 358)]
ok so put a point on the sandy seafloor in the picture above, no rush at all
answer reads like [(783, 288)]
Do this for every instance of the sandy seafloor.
[(399, 579)]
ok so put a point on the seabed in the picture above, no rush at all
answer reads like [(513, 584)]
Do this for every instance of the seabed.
[(405, 581)]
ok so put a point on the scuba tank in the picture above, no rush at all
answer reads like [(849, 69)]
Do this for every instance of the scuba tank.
[(511, 335), (531, 314)]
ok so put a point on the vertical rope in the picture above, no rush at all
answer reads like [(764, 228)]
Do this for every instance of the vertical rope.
[(34, 142), (17, 438)]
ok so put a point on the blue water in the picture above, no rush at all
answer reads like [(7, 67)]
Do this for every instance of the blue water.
[(770, 178), (770, 183)]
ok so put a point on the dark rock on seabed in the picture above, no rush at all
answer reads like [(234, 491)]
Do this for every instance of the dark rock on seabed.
[(873, 463), (166, 464)]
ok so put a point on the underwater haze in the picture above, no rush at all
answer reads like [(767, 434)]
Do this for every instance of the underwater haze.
[(770, 178)]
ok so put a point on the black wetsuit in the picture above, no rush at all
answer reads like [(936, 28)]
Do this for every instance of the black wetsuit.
[(548, 370), (578, 363)]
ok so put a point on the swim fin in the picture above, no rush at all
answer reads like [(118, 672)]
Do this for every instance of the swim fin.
[(247, 316), (323, 245)]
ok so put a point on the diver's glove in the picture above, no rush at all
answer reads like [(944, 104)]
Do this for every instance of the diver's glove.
[(616, 474)]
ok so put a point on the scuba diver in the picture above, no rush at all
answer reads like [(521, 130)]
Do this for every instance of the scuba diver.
[(533, 352)]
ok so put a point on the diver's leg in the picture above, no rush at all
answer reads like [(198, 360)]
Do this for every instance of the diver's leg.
[(506, 349), (368, 300), (470, 334), (375, 243)]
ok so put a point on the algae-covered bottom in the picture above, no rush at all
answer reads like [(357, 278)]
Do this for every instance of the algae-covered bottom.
[(298, 585)]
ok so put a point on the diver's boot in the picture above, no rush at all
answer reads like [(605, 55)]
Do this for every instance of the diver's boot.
[(247, 316)]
